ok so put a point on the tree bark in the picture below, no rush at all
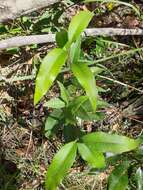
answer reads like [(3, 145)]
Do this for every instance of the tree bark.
[(10, 9)]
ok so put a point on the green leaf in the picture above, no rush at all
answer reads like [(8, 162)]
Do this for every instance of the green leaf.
[(87, 81), (71, 133), (76, 103), (96, 70), (95, 159), (60, 165), (139, 179), (13, 50), (48, 72), (61, 38), (118, 179), (64, 93), (55, 103), (78, 23), (72, 109), (141, 139), (85, 111), (2, 28), (52, 121), (102, 104), (113, 159), (104, 142), (89, 116), (75, 51)]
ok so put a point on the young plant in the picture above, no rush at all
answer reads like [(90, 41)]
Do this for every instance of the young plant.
[(92, 147), (128, 173)]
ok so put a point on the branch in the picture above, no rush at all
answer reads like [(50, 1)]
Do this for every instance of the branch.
[(50, 38), (26, 40), (10, 9)]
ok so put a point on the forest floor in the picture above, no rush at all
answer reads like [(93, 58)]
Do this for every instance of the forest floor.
[(25, 152)]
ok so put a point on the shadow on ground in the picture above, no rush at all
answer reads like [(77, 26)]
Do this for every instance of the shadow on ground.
[(8, 173)]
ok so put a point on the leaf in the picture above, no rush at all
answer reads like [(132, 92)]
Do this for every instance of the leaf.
[(60, 165), (85, 111), (113, 159), (102, 104), (48, 72), (89, 116), (55, 103), (103, 90), (52, 121), (61, 38), (141, 139), (95, 159), (64, 93), (78, 23), (76, 103), (118, 180), (71, 133), (139, 178), (96, 70), (104, 142), (12, 50), (72, 109), (3, 28), (75, 51), (87, 81)]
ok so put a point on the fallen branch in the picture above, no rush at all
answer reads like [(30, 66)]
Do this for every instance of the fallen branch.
[(10, 9), (26, 40), (50, 38)]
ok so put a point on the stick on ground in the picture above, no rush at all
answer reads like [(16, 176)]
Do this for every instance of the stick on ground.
[(50, 38), (11, 9)]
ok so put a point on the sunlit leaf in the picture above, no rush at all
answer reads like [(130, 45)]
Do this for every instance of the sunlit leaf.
[(72, 109), (78, 23), (87, 81), (48, 71), (85, 111), (55, 103), (96, 70), (64, 93), (60, 165), (95, 159), (75, 51), (76, 103), (105, 142), (118, 179)]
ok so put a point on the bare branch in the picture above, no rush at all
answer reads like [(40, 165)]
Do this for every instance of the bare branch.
[(10, 9), (50, 38), (26, 40), (112, 32)]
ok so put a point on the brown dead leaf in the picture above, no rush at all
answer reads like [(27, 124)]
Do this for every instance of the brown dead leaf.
[(4, 59), (20, 151), (131, 22)]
